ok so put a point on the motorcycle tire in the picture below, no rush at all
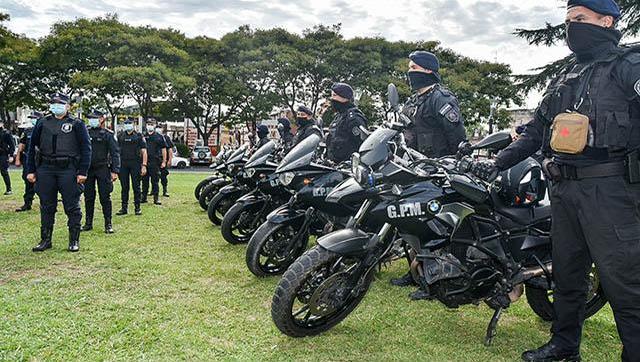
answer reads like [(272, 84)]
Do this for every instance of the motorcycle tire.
[(202, 184), (256, 250), (296, 277), (207, 193), (218, 207), (229, 227), (539, 300)]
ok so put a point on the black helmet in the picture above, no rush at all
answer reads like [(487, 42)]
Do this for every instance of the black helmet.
[(523, 184)]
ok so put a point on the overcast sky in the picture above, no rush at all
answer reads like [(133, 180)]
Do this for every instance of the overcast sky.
[(480, 29)]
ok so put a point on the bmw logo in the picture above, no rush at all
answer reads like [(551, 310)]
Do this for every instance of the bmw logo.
[(434, 206)]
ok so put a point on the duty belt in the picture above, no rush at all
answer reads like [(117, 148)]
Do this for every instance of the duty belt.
[(62, 162), (570, 172)]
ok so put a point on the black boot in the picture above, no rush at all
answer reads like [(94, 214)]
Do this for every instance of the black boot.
[(121, 212), (45, 239), (156, 200), (74, 239), (108, 228), (404, 281), (138, 210), (165, 194), (551, 352), (25, 207)]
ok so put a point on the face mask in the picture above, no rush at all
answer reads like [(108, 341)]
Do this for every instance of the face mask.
[(302, 121), (151, 130), (128, 127), (34, 121), (58, 109), (159, 130), (94, 122), (583, 38), (339, 106), (419, 80)]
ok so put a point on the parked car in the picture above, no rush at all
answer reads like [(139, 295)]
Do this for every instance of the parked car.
[(201, 155), (179, 162)]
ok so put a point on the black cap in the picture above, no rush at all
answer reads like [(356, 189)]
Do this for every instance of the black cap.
[(604, 7), (285, 123), (305, 109), (95, 114), (262, 129), (59, 98), (426, 60), (343, 90), (35, 115)]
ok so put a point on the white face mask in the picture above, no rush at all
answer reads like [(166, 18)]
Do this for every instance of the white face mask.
[(128, 127), (158, 130), (94, 122)]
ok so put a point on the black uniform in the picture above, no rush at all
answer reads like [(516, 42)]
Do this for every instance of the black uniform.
[(155, 145), (131, 146), (64, 152), (7, 147), (595, 207), (305, 131), (29, 191), (105, 159), (165, 171), (344, 134), (261, 142), (438, 125)]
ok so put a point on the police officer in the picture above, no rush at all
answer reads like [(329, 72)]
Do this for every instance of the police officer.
[(263, 135), (344, 136), (307, 125), (21, 160), (61, 164), (133, 158), (157, 157), (284, 130), (589, 124), (104, 169), (164, 172), (7, 147), (438, 126)]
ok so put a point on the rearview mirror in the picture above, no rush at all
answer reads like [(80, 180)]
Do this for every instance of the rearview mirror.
[(392, 96), (494, 142)]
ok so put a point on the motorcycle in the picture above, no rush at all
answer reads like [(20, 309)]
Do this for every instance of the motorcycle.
[(218, 172), (470, 246), (222, 200)]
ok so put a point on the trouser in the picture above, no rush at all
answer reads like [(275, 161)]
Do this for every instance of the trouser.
[(164, 172), (130, 177), (29, 190), (4, 171), (52, 179), (101, 176), (596, 220), (153, 175)]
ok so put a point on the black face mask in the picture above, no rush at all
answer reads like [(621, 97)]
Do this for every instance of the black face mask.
[(339, 106), (585, 40), (303, 122), (419, 80)]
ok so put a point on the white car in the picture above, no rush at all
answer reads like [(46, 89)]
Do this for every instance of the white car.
[(201, 155), (179, 162)]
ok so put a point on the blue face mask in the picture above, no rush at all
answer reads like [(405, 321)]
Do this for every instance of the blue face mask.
[(128, 127), (34, 121), (151, 130), (58, 109), (159, 130), (94, 122)]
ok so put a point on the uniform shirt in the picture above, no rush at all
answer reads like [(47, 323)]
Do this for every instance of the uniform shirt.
[(6, 143), (306, 131), (134, 137), (344, 134), (82, 136), (169, 143), (155, 144), (112, 146)]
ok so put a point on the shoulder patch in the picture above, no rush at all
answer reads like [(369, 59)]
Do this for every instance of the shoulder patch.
[(636, 87)]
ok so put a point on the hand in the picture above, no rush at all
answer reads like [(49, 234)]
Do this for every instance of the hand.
[(10, 159), (18, 163), (31, 178), (486, 170), (114, 176), (163, 165), (143, 171), (81, 179)]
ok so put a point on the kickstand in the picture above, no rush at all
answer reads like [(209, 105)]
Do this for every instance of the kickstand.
[(493, 325)]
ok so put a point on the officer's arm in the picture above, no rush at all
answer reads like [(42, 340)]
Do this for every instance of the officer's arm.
[(450, 117), (529, 142), (20, 150), (143, 150), (628, 74), (12, 145), (84, 141), (114, 151), (31, 154)]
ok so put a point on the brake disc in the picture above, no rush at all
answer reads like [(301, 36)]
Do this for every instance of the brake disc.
[(329, 296)]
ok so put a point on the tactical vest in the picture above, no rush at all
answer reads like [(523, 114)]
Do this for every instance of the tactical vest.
[(592, 91), (99, 147), (57, 138), (341, 141), (129, 150), (154, 153), (304, 132)]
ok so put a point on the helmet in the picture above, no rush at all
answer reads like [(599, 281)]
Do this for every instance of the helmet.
[(523, 184)]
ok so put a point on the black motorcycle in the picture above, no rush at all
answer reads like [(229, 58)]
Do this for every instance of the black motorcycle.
[(218, 173), (249, 211), (222, 200), (470, 247)]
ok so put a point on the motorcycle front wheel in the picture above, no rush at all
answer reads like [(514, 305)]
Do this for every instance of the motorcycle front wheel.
[(317, 292), (206, 194), (235, 227), (218, 207), (271, 251), (202, 184)]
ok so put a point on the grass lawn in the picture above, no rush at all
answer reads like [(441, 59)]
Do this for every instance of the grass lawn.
[(166, 286)]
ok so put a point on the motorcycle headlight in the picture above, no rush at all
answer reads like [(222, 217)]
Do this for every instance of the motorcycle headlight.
[(361, 175), (250, 172), (355, 163), (286, 178)]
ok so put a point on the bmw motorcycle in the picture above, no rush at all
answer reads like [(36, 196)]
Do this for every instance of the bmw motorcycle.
[(222, 200), (218, 168), (470, 246)]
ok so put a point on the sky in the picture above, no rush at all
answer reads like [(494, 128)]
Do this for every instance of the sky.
[(481, 29)]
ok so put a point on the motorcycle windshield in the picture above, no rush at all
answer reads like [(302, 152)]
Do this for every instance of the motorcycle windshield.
[(301, 155), (375, 148), (261, 155), (237, 155)]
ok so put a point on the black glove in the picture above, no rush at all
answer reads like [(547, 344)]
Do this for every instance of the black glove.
[(485, 169)]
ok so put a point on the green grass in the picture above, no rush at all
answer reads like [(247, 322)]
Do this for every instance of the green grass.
[(166, 286)]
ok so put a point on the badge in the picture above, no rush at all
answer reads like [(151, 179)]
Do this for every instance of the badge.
[(67, 127), (637, 87), (453, 116), (355, 131)]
